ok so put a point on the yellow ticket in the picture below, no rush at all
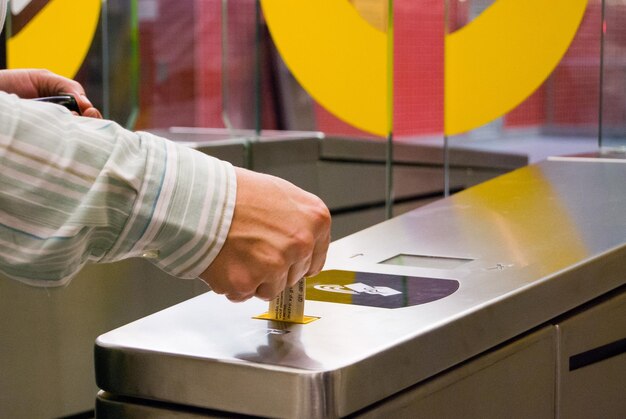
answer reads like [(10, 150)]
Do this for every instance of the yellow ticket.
[(289, 305)]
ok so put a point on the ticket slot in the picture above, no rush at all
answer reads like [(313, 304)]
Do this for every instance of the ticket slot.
[(288, 306)]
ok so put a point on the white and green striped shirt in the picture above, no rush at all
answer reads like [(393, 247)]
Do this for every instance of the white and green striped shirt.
[(75, 190)]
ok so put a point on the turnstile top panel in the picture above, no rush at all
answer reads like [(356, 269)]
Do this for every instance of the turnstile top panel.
[(200, 136), (416, 152), (522, 249)]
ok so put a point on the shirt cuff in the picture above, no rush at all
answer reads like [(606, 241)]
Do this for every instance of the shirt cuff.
[(187, 223)]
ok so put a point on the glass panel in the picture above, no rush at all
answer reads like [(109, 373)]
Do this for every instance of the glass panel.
[(200, 60), (331, 62), (217, 70), (232, 69), (329, 66), (119, 62), (513, 97), (242, 52), (170, 77), (99, 48), (418, 103), (613, 104)]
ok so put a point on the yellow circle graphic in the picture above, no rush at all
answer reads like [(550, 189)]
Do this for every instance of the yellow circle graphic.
[(337, 57), (57, 38), (499, 59), (491, 65)]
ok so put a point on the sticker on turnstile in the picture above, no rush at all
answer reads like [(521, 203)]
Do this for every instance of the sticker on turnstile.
[(377, 290), (289, 306)]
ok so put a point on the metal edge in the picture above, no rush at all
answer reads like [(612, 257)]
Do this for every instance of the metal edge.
[(554, 295), (137, 373)]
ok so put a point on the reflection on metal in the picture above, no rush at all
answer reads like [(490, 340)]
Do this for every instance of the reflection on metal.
[(522, 213)]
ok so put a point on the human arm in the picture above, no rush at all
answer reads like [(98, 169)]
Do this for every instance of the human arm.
[(78, 190), (35, 83), (278, 235)]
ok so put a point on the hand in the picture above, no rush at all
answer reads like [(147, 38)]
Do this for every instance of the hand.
[(279, 234), (33, 83)]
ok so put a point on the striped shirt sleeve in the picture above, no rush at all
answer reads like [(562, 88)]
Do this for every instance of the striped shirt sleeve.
[(76, 190)]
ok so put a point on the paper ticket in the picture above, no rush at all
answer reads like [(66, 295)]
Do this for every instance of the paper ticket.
[(289, 305)]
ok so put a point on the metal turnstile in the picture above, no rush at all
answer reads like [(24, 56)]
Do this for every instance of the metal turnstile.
[(473, 305), (59, 368)]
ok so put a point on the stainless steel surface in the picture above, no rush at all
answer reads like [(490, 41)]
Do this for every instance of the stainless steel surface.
[(294, 159), (349, 185), (592, 361), (240, 146), (516, 380), (541, 241), (48, 333), (110, 406), (416, 151)]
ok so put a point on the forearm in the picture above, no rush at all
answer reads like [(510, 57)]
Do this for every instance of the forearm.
[(75, 190)]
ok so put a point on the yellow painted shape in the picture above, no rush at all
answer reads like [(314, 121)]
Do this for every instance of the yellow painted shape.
[(510, 212), (330, 279), (491, 65), (336, 56), (57, 38), (500, 58)]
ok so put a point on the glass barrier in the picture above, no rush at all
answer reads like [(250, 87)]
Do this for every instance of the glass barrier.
[(297, 90), (330, 69), (613, 94), (470, 88), (98, 48), (378, 106), (243, 64), (522, 80), (120, 62)]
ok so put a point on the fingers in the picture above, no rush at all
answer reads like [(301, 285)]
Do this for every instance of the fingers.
[(297, 271), (279, 233), (48, 83), (238, 298), (318, 257), (91, 113), (233, 294), (84, 104), (36, 83), (267, 291)]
